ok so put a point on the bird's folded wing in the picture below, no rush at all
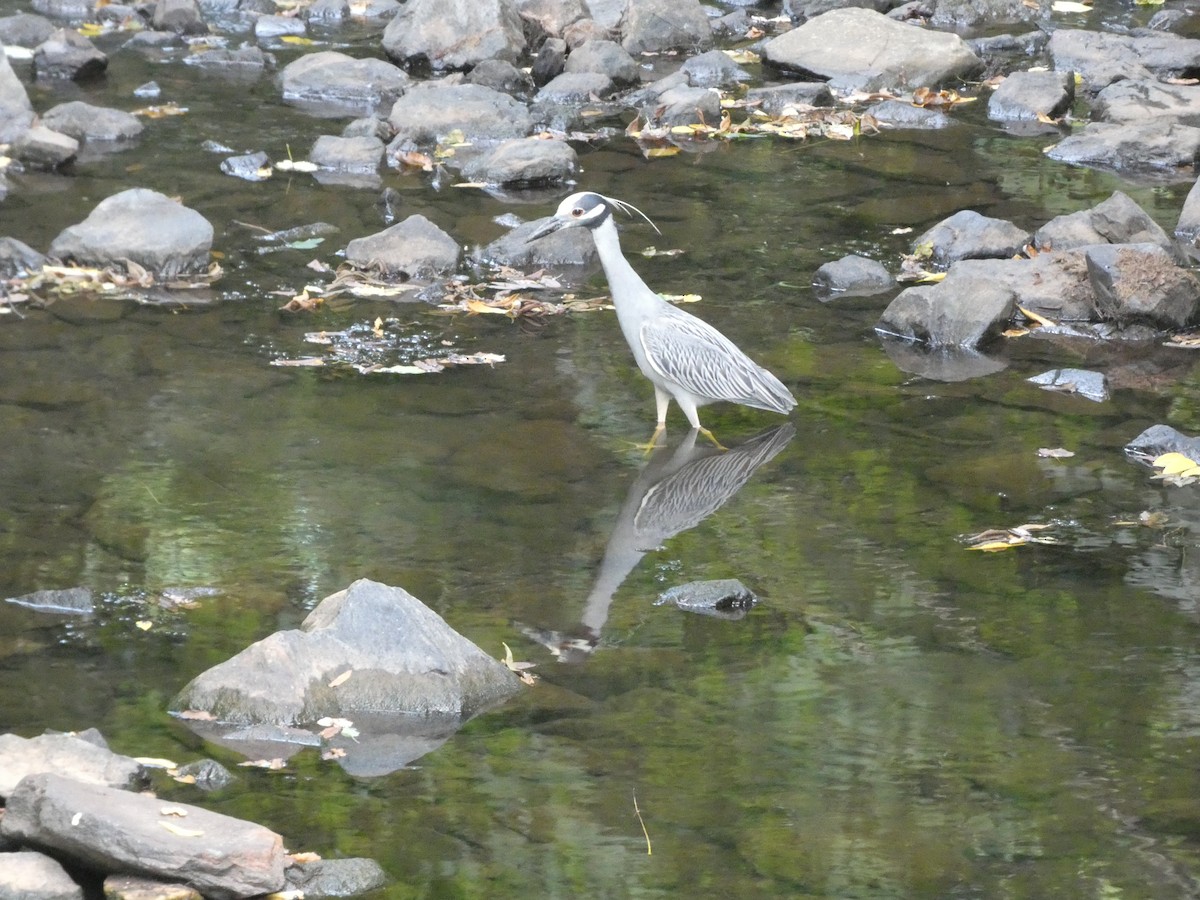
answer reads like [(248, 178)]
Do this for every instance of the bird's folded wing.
[(692, 354)]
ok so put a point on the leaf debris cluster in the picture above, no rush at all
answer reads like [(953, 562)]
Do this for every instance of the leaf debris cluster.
[(993, 540)]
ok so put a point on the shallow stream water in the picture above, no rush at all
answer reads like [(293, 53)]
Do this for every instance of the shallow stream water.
[(898, 717)]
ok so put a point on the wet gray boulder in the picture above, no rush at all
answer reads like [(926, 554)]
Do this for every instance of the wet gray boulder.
[(347, 154), (549, 18), (683, 105), (414, 247), (88, 123), (1166, 150), (652, 26), (68, 601), (575, 88), (430, 112), (851, 276), (118, 831), (550, 61), (1052, 284), (67, 54), (179, 16), (964, 310), (234, 62), (1025, 96), (969, 235), (961, 15), (714, 69), (248, 166), (67, 755), (525, 162), (1142, 283), (723, 598), (1101, 58), (29, 875), (606, 57), (567, 248), (329, 79), (161, 235), (859, 49), (16, 112), (207, 774), (403, 658), (44, 148), (1159, 439), (336, 877), (501, 75), (18, 258), (25, 30), (776, 99), (1117, 220), (1142, 99), (1090, 385), (1188, 227), (454, 34)]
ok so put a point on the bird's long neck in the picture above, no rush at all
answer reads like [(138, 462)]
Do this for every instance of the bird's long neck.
[(617, 269)]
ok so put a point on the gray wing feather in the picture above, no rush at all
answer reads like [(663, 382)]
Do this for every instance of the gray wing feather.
[(691, 353)]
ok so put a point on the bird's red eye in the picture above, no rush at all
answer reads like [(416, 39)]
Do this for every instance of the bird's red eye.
[(577, 211)]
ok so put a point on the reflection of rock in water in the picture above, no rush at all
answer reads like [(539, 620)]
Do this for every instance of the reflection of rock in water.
[(674, 492), (939, 363)]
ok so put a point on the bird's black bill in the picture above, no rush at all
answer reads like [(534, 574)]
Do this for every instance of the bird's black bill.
[(548, 227)]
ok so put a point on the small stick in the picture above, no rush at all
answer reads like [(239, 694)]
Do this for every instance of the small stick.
[(649, 849)]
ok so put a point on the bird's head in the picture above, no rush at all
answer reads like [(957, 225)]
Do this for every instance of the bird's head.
[(586, 209)]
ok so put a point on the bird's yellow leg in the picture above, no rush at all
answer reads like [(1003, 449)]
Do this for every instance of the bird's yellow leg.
[(649, 446), (712, 437)]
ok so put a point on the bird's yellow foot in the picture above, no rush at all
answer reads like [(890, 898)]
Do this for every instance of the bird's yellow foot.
[(649, 446), (712, 437)]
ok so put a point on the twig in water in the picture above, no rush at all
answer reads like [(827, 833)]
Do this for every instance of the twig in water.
[(649, 849)]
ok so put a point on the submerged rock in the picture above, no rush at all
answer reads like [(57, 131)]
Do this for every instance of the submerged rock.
[(1090, 385), (725, 598), (76, 601), (336, 877), (859, 49)]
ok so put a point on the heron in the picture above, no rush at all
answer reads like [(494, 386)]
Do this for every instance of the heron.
[(685, 358)]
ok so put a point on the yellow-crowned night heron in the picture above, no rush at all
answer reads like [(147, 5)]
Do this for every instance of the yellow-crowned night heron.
[(683, 356)]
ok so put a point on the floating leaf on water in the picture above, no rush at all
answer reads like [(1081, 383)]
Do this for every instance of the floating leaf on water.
[(1055, 453), (1069, 6), (154, 762), (654, 251), (297, 40), (161, 111), (144, 624), (659, 152), (311, 362), (273, 764), (1176, 469), (197, 715), (341, 679), (682, 298), (296, 165), (996, 539)]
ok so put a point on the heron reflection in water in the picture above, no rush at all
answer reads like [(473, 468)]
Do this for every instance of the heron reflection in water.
[(675, 491)]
